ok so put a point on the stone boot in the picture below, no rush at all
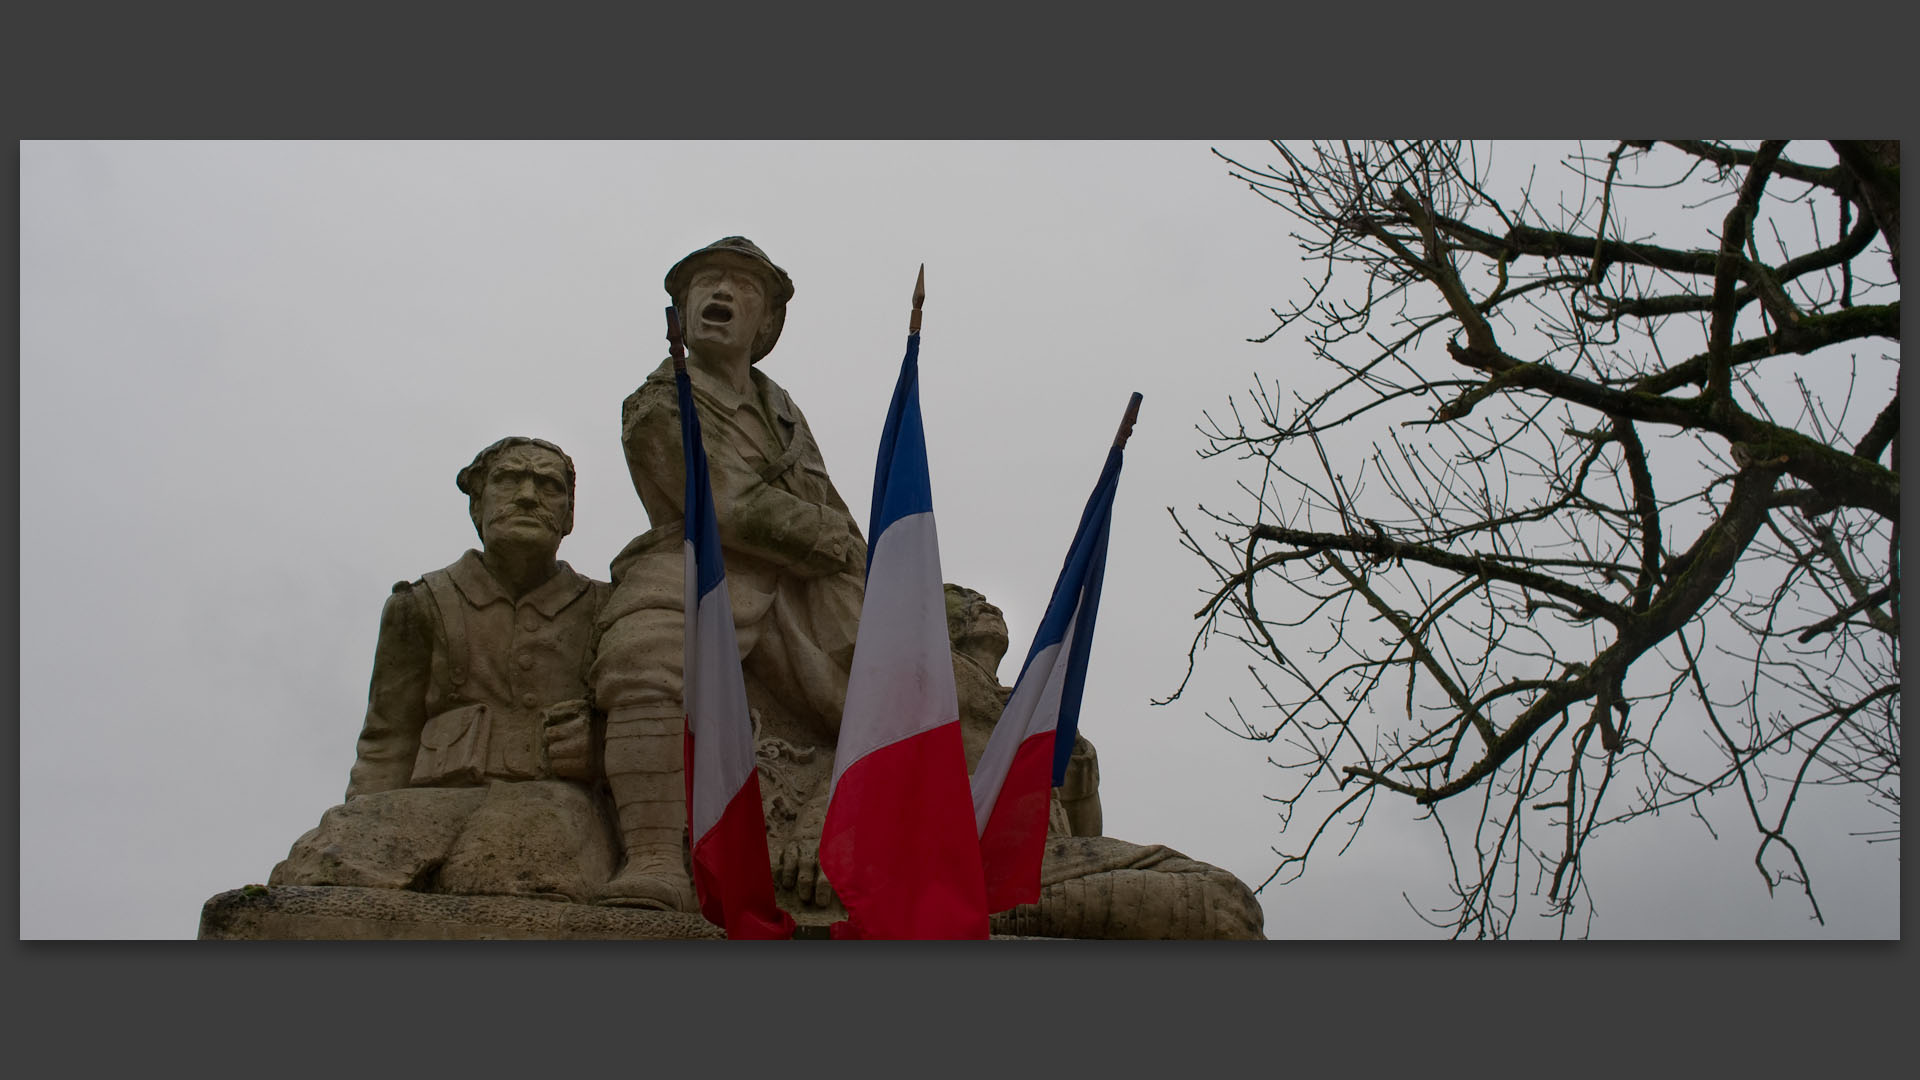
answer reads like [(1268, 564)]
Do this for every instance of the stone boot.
[(647, 776)]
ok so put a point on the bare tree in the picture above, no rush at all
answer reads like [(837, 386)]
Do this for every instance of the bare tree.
[(1565, 524)]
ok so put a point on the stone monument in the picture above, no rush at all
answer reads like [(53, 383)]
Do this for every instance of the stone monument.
[(519, 771)]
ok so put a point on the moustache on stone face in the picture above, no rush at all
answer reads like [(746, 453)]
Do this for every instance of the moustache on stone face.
[(513, 511)]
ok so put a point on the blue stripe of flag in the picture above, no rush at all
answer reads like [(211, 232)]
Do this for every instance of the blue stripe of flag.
[(1077, 590), (701, 524), (901, 486)]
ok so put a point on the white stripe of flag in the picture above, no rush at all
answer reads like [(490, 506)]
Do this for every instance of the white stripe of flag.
[(899, 843)]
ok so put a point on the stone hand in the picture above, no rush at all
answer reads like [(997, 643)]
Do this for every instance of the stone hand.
[(797, 860), (798, 869), (567, 735), (856, 552)]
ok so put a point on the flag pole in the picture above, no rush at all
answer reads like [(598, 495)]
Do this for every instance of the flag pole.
[(1126, 423), (919, 297), (677, 342)]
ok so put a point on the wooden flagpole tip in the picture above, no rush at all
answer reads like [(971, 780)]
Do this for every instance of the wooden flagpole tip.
[(676, 339), (919, 298), (1126, 422)]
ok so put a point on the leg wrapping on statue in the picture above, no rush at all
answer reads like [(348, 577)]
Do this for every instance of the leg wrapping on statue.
[(646, 776)]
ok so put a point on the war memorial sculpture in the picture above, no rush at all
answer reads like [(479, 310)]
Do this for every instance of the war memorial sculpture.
[(519, 771)]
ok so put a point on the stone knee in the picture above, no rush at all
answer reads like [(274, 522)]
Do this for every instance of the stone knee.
[(638, 661), (386, 840), (538, 838)]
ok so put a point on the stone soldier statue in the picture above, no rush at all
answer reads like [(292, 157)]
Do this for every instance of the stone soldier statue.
[(795, 561), (978, 631), (480, 677), (1092, 886)]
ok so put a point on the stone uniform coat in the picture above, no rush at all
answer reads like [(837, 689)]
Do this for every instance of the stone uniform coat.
[(795, 558), (452, 646), (515, 659)]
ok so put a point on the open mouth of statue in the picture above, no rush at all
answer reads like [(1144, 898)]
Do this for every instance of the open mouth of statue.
[(717, 312)]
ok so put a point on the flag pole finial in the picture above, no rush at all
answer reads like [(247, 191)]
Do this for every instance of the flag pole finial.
[(919, 297), (676, 340), (1126, 422)]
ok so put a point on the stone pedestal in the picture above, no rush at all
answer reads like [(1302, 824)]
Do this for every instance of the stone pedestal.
[(346, 913), (349, 913)]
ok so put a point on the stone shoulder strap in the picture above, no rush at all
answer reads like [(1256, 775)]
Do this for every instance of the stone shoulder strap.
[(775, 469), (453, 620), (773, 399)]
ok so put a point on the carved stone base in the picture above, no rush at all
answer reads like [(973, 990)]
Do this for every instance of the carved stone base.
[(346, 913), (351, 913)]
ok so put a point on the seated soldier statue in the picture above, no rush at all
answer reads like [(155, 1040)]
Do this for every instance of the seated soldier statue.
[(475, 772)]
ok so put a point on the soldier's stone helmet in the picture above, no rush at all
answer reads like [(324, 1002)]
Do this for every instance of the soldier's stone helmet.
[(779, 285)]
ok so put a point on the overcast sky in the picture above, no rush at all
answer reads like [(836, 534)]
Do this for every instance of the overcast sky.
[(249, 372)]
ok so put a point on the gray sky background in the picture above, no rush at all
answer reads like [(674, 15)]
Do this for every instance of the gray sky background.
[(249, 372)]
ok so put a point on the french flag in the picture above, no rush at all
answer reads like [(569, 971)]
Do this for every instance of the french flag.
[(899, 843), (732, 874), (1026, 757)]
